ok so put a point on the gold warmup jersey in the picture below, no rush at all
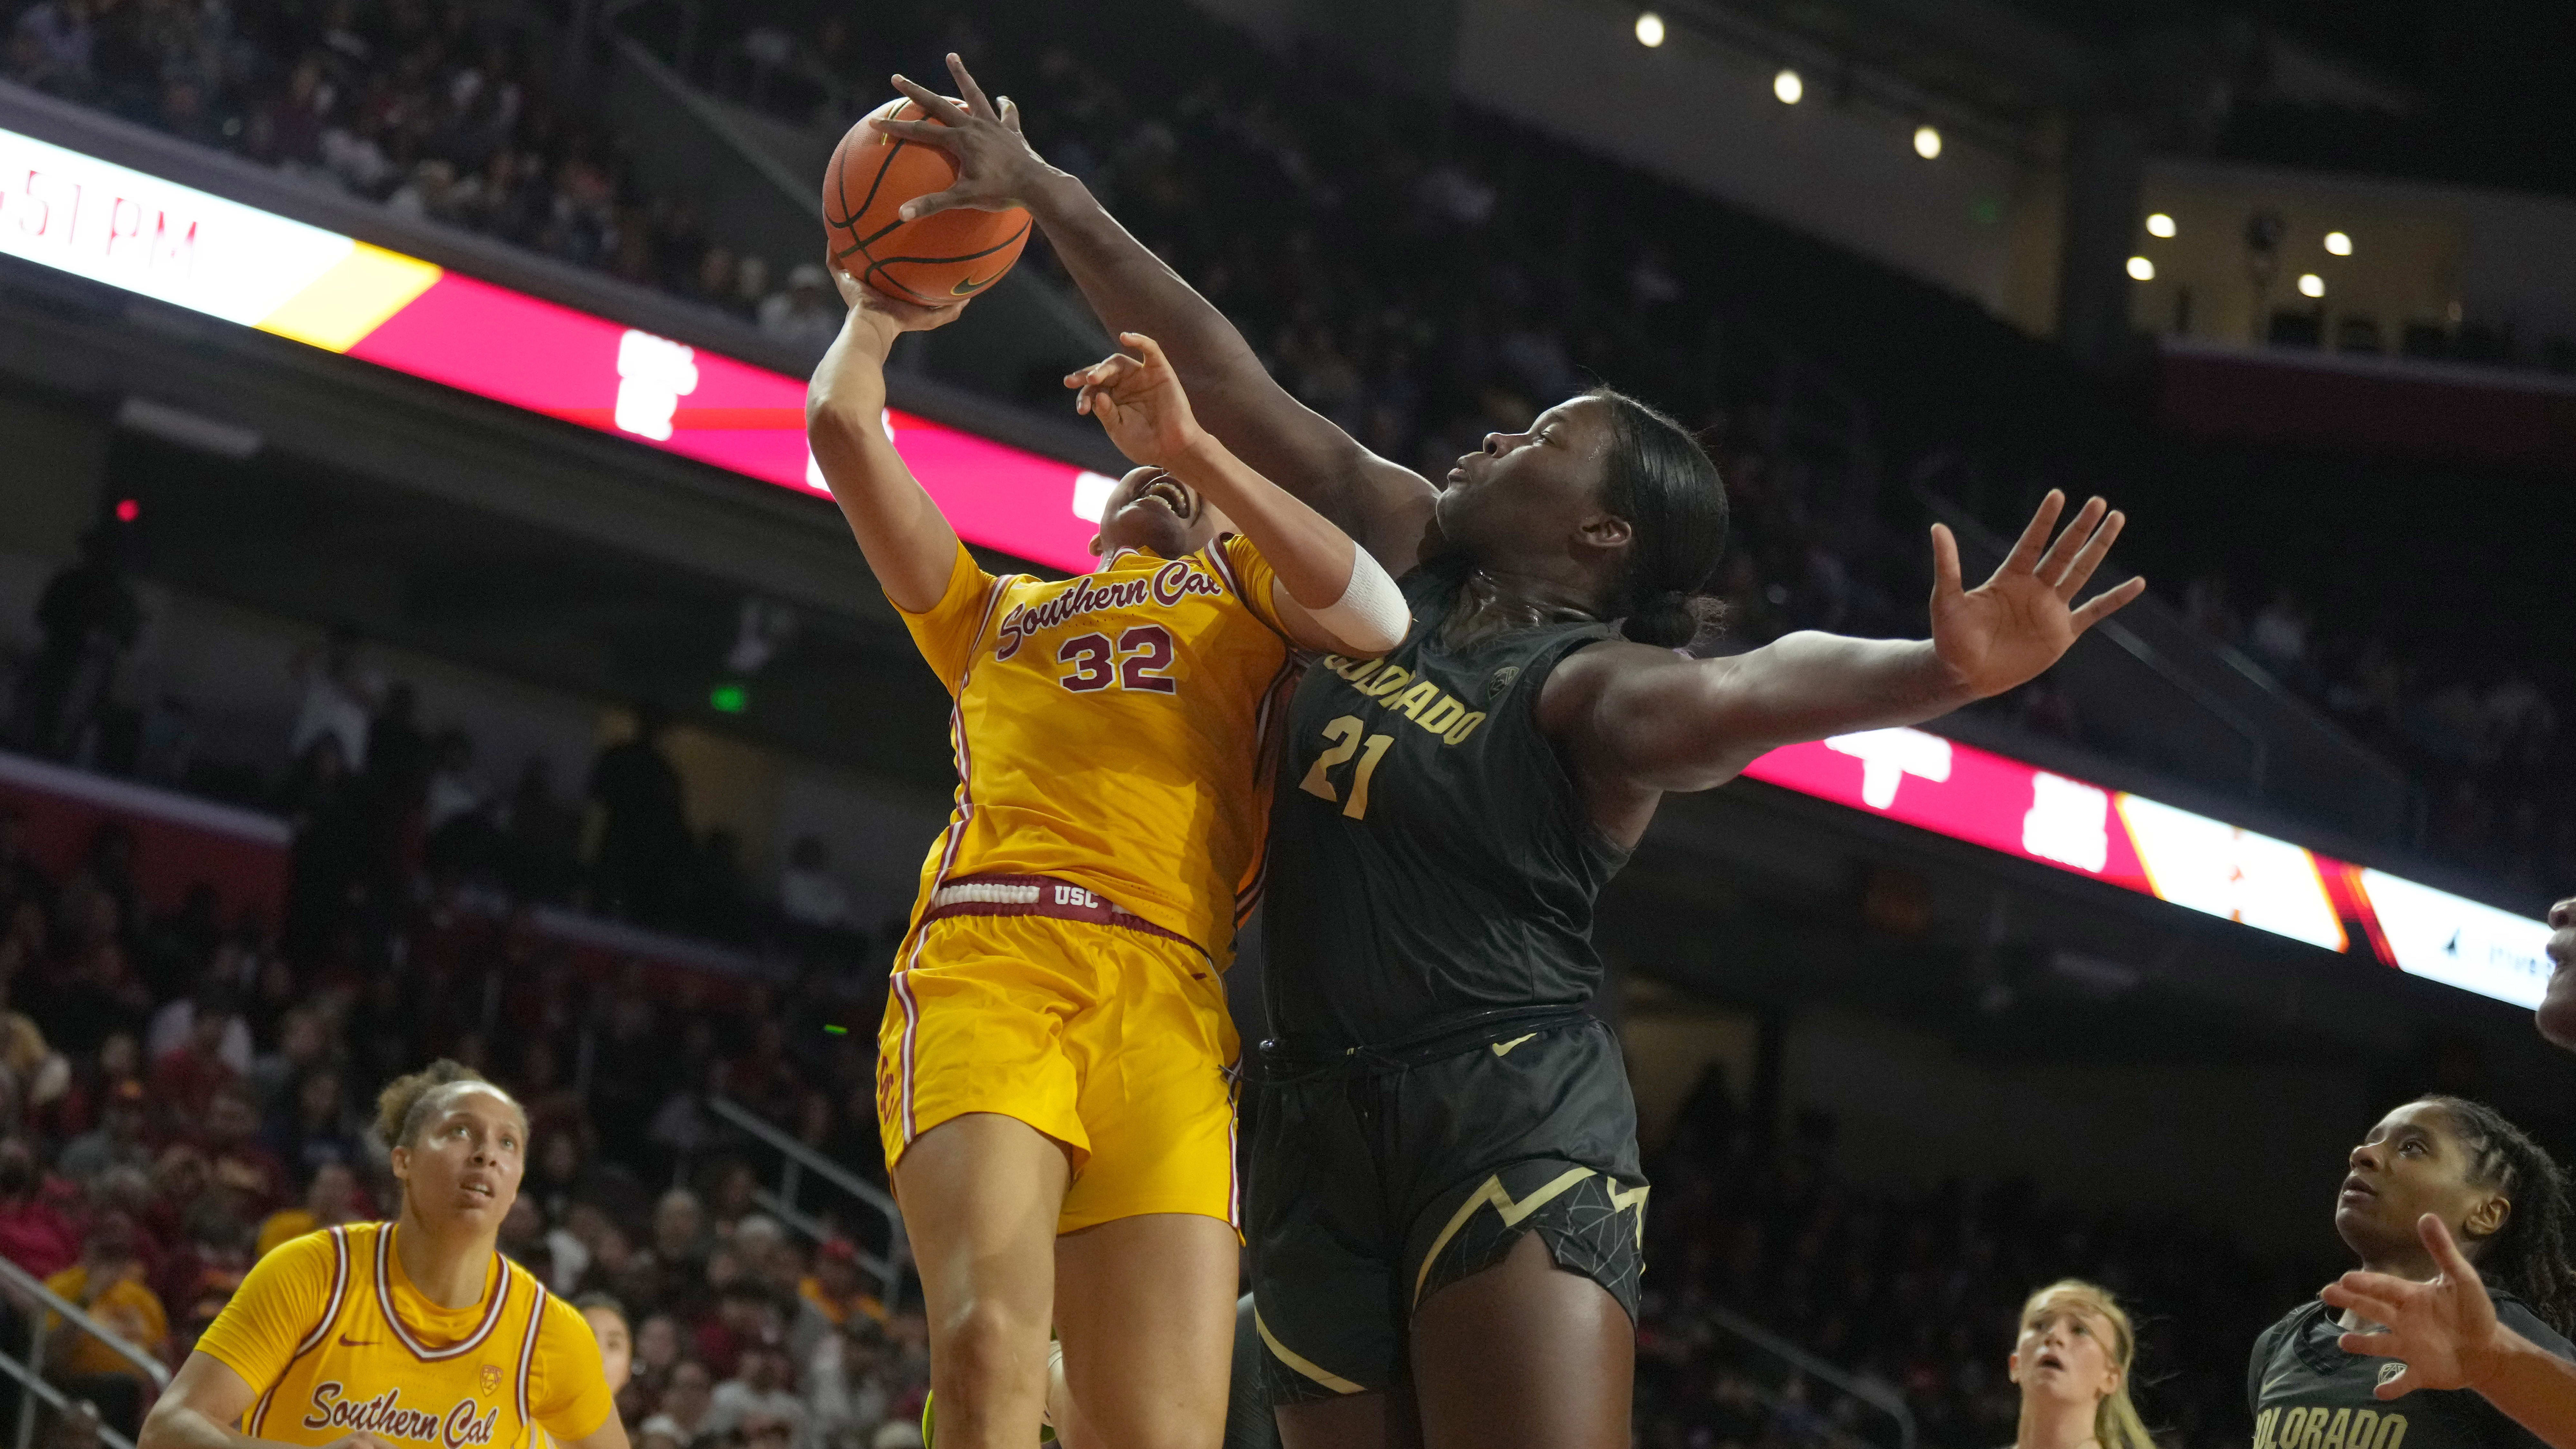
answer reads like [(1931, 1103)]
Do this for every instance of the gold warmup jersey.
[(332, 1333), (1115, 731)]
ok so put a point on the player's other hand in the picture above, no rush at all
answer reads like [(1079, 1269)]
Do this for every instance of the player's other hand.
[(2022, 620), (996, 168), (884, 315), (2445, 1331), (1138, 400)]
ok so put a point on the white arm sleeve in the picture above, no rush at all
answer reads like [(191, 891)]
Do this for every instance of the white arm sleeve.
[(1371, 616)]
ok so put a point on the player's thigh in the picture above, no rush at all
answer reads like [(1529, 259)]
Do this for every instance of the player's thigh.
[(975, 1021), (1145, 1306), (1155, 1056), (980, 1194), (1523, 1353)]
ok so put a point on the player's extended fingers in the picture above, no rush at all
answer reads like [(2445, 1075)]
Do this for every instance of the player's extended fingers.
[(976, 101), (2106, 603), (1149, 352), (2364, 1293), (2026, 549), (932, 103), (939, 201), (2070, 540), (2369, 1345), (2446, 1253), (1945, 562), (1011, 114), (2079, 570)]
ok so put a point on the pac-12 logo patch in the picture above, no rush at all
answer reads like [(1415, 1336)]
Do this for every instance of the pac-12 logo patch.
[(1500, 680), (491, 1380), (2389, 1371)]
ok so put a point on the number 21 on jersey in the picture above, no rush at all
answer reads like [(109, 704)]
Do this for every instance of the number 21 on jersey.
[(1346, 734)]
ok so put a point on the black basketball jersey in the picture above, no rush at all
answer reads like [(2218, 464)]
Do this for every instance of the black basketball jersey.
[(2306, 1393), (1430, 857)]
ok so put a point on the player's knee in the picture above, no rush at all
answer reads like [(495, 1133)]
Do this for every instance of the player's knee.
[(988, 1346)]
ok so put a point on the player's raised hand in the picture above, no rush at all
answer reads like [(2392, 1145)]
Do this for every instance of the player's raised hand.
[(1139, 402), (2022, 620), (2445, 1331), (886, 315), (996, 168)]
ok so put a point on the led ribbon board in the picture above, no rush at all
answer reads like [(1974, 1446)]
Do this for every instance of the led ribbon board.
[(176, 244), (2154, 849)]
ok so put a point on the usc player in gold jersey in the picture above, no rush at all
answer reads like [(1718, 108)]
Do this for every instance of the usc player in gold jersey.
[(1055, 1080), (411, 1332)]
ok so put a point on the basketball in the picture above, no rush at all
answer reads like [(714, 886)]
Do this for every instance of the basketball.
[(934, 260)]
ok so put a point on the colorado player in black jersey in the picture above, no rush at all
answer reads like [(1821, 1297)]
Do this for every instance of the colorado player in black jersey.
[(2504, 1202), (1446, 1207)]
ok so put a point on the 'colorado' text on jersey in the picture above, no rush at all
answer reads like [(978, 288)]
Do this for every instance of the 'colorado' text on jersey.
[(1115, 730)]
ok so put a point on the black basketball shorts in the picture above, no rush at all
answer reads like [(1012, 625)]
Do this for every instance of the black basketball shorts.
[(1381, 1176)]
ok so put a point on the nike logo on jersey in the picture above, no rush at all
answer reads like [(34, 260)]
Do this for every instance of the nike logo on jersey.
[(1503, 1048), (347, 1342)]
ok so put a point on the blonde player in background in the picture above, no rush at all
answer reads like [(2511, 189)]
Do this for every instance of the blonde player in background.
[(1056, 1068), (2071, 1362), (415, 1331)]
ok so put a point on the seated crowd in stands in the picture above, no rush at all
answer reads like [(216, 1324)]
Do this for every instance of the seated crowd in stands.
[(178, 1095)]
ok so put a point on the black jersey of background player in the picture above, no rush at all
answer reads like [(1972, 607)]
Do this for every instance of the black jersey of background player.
[(1430, 856), (2308, 1394)]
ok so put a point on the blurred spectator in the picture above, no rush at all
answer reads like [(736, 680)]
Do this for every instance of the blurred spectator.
[(807, 314), (339, 696), (108, 1284), (330, 1199), (199, 1046), (87, 618), (119, 1139), (759, 1402), (687, 1407), (35, 1232), (808, 893), (641, 824)]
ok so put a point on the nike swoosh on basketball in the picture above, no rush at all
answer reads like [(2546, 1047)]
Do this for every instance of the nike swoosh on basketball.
[(969, 287)]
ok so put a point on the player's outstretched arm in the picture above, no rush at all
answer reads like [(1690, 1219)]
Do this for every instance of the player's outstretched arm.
[(908, 542), (1336, 596), (2447, 1334), (1383, 505), (1656, 720)]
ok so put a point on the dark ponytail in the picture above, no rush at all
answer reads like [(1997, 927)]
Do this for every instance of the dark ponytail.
[(2529, 1255), (1663, 483)]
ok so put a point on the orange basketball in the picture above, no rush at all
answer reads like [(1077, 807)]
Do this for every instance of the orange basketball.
[(932, 261)]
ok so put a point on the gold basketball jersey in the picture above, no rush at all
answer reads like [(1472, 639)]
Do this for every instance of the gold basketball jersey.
[(334, 1336)]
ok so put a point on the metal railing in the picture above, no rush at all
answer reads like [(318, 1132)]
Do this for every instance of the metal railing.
[(1878, 1396), (44, 1304), (797, 1160)]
